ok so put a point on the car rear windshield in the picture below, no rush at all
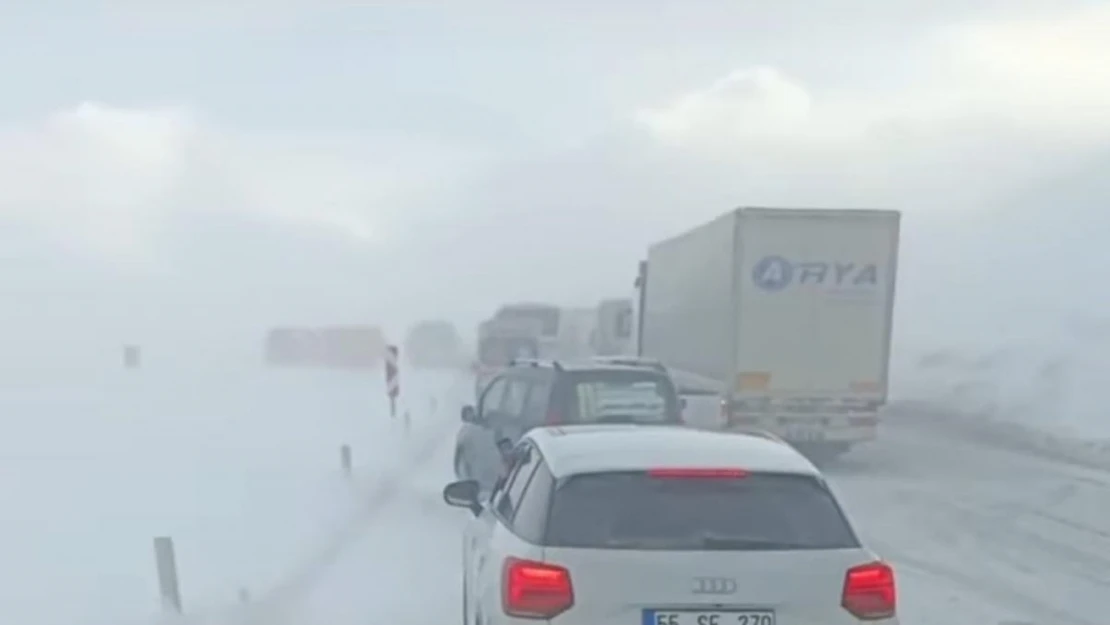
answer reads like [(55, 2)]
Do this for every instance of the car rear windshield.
[(617, 396), (499, 351), (761, 511)]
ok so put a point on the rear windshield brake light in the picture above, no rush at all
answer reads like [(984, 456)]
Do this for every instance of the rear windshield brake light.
[(697, 473)]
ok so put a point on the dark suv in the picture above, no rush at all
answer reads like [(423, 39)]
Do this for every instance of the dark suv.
[(533, 393)]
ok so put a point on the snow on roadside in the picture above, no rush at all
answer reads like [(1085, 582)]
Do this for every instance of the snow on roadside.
[(241, 469), (432, 401), (1045, 396)]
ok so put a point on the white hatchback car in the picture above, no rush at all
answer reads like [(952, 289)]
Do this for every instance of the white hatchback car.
[(658, 525)]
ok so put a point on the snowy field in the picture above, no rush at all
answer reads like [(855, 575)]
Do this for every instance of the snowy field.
[(241, 468), (1048, 382), (1042, 391)]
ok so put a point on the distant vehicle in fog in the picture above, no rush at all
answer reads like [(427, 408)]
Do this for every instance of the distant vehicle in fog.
[(499, 342), (566, 333), (543, 322), (612, 334), (433, 344), (332, 347)]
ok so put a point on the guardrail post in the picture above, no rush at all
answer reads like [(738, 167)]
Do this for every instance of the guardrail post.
[(132, 357), (345, 459), (166, 563)]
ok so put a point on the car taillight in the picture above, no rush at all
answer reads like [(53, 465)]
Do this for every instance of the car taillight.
[(869, 591), (553, 418), (696, 473), (535, 590)]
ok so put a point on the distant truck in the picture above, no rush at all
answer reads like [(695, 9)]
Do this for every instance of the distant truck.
[(612, 334), (539, 319), (433, 344), (785, 315), (561, 333), (502, 340)]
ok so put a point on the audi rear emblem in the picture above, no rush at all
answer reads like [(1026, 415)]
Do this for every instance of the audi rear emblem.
[(714, 586)]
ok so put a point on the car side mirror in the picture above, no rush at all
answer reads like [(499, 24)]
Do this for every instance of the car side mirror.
[(469, 414), (463, 494), (505, 446)]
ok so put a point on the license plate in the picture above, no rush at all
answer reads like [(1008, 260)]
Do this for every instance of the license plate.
[(708, 617), (805, 435)]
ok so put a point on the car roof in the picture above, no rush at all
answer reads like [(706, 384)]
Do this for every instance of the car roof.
[(582, 366), (626, 447)]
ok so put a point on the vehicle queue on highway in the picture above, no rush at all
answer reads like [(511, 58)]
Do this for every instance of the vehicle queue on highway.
[(592, 497)]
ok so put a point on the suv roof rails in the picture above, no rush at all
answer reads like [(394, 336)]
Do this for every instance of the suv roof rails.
[(535, 362), (765, 434), (632, 361)]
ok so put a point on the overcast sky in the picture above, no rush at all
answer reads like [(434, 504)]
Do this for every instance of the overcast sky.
[(175, 164)]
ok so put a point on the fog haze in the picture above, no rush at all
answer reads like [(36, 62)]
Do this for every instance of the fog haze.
[(206, 171), (184, 177)]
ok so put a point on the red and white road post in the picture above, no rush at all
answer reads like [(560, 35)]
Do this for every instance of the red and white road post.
[(392, 383)]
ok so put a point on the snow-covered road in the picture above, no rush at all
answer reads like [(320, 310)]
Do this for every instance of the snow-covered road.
[(405, 567), (980, 535)]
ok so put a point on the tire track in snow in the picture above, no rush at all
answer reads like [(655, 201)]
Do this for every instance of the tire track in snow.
[(279, 601), (982, 533)]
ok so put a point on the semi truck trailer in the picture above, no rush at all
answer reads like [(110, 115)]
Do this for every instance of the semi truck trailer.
[(784, 315)]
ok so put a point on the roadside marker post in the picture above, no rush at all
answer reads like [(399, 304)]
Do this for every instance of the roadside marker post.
[(392, 383)]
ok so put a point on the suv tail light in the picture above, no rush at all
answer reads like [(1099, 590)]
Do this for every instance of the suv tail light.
[(553, 418), (535, 590), (869, 592)]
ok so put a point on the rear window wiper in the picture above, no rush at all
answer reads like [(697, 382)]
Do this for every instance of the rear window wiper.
[(620, 419), (738, 543), (642, 543)]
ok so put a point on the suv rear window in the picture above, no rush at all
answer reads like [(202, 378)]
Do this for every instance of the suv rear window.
[(621, 396), (499, 351), (632, 510)]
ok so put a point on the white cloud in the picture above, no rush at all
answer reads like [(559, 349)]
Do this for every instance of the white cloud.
[(93, 175), (994, 107), (107, 181), (996, 102), (747, 102), (1047, 70)]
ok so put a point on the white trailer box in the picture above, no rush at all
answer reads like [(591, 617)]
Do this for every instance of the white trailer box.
[(614, 326), (785, 313)]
